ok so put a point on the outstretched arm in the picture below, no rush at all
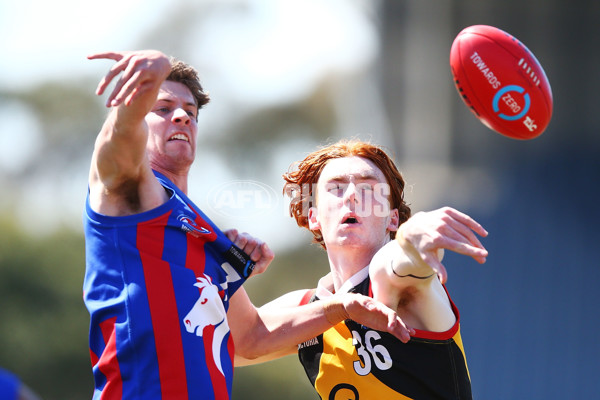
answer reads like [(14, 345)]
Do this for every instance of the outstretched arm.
[(404, 273), (119, 163), (276, 329)]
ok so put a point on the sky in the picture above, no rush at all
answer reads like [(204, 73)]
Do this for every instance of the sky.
[(254, 53), (51, 39), (43, 40)]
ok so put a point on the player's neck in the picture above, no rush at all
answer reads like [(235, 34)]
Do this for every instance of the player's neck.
[(179, 179), (345, 263)]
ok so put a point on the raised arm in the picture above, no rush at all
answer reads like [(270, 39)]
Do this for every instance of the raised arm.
[(120, 170), (404, 273)]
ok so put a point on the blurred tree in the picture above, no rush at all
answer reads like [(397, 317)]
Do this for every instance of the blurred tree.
[(70, 116), (44, 323), (313, 119)]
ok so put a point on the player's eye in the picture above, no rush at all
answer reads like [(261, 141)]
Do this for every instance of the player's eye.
[(335, 188), (364, 188), (191, 112)]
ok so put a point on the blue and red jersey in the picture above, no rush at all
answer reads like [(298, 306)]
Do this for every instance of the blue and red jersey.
[(9, 385), (157, 287)]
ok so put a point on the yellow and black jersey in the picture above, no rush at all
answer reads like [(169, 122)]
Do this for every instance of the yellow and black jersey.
[(351, 361)]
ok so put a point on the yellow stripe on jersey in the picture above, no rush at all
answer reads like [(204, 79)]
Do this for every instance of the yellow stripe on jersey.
[(338, 379), (458, 340)]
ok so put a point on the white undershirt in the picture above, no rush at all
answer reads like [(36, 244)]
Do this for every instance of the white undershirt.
[(326, 289)]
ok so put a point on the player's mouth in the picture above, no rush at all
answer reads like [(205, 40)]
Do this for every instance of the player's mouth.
[(179, 136), (350, 219)]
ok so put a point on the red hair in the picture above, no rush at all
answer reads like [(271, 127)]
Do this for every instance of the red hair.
[(303, 176)]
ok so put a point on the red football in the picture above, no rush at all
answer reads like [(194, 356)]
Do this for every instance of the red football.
[(501, 81)]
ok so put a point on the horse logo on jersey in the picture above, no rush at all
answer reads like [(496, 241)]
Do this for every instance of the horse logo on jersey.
[(208, 311)]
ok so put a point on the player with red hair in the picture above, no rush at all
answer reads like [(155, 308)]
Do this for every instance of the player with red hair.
[(350, 196)]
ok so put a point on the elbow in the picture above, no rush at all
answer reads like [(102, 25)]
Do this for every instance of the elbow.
[(247, 352)]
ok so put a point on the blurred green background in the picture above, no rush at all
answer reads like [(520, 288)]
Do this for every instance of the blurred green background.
[(284, 77)]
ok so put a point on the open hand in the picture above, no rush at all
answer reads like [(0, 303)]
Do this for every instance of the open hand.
[(141, 70), (445, 228)]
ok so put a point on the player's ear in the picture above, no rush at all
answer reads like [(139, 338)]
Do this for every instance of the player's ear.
[(394, 220), (313, 220)]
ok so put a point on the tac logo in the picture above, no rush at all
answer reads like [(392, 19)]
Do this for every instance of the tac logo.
[(190, 226), (242, 199)]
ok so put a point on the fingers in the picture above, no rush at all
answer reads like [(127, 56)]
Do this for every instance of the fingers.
[(434, 262), (139, 71), (465, 220), (231, 234), (127, 84), (369, 312), (258, 250), (464, 243), (133, 81), (465, 238), (464, 225), (115, 69), (445, 228), (245, 242), (263, 256), (458, 234), (398, 328), (111, 55)]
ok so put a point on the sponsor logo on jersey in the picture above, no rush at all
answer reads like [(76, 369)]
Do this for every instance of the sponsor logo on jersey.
[(311, 342), (190, 226)]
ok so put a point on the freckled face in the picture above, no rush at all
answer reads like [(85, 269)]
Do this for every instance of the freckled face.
[(352, 205), (173, 127)]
